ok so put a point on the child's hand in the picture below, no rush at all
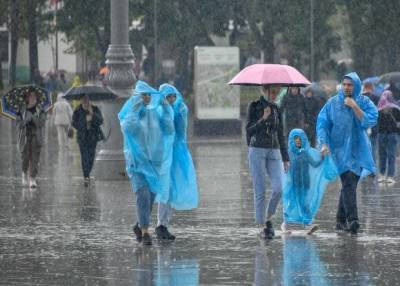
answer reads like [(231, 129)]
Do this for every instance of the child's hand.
[(286, 166), (324, 150)]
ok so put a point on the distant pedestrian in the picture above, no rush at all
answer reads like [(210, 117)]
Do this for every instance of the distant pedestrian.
[(293, 108), (388, 130), (62, 112), (87, 119), (312, 106), (342, 129), (267, 148), (31, 123), (368, 91)]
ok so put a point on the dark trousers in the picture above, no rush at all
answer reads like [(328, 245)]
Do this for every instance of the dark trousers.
[(88, 153), (347, 208), (387, 153), (310, 131), (30, 157)]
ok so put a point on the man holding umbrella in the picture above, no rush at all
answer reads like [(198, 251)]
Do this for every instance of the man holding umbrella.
[(31, 122), (87, 119)]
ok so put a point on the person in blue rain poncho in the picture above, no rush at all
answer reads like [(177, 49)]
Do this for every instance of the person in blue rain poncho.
[(183, 189), (147, 125), (306, 181), (342, 130)]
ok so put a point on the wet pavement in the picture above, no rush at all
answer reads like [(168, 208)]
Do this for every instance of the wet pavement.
[(65, 234)]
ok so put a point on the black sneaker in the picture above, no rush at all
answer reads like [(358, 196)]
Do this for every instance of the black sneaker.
[(146, 239), (269, 231), (138, 232), (354, 226), (163, 233), (342, 226)]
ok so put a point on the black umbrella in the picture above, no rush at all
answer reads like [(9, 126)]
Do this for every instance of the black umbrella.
[(93, 91), (392, 77)]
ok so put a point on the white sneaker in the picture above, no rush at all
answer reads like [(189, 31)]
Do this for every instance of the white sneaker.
[(390, 180), (33, 183), (381, 178), (285, 228), (25, 180)]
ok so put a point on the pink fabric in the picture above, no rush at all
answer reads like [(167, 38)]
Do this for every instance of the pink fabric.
[(264, 74), (387, 101)]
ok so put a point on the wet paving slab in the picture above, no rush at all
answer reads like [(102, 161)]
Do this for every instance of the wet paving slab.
[(65, 234)]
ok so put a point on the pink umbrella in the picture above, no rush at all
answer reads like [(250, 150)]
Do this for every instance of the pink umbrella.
[(268, 74)]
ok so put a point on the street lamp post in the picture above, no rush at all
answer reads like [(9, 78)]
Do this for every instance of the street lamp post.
[(110, 163), (312, 60)]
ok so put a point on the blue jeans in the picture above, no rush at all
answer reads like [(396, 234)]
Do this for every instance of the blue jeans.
[(387, 153), (264, 161), (144, 206), (164, 214)]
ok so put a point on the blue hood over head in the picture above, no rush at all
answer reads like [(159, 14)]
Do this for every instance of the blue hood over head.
[(353, 76)]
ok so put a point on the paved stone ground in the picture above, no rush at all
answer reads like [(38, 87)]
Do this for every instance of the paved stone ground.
[(65, 234)]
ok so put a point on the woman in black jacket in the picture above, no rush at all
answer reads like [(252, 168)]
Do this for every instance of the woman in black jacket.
[(267, 148), (87, 120)]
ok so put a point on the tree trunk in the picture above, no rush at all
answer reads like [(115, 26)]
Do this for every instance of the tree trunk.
[(1, 76), (183, 69), (14, 15), (33, 41)]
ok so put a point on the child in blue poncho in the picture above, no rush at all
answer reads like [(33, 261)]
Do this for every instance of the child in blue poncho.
[(305, 182)]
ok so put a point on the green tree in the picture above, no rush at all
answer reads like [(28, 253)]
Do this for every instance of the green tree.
[(181, 25), (86, 25), (375, 40)]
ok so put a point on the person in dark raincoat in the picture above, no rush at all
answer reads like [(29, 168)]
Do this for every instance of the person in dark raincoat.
[(312, 106), (388, 130), (342, 130), (293, 108), (368, 91), (87, 119)]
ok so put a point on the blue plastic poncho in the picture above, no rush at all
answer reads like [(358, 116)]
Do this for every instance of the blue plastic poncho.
[(345, 134), (183, 193), (148, 139), (306, 181)]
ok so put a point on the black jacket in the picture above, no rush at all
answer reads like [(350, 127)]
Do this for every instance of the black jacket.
[(87, 134), (375, 99), (265, 133), (312, 108), (387, 121), (293, 107)]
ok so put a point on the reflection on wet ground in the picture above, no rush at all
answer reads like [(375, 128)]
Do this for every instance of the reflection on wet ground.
[(64, 234)]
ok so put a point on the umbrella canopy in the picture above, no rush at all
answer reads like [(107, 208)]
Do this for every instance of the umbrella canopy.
[(269, 74), (392, 77), (378, 87), (14, 101), (93, 91)]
